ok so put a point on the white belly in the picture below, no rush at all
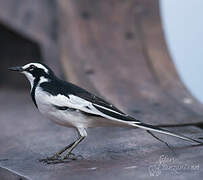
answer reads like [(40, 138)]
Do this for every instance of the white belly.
[(46, 107), (63, 117)]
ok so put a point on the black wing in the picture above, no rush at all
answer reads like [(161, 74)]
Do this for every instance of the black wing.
[(101, 104), (66, 88)]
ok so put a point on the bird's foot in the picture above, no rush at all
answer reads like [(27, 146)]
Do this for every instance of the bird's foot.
[(52, 159), (56, 159), (72, 156)]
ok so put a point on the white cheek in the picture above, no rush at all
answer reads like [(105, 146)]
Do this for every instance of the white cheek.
[(43, 79), (29, 77)]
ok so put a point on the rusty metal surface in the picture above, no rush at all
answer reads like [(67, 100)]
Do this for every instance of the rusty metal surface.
[(117, 50)]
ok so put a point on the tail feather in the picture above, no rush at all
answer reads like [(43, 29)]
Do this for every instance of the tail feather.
[(163, 131)]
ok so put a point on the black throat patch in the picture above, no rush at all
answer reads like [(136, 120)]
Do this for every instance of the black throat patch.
[(33, 91)]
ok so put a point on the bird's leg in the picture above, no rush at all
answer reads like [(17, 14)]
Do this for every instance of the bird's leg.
[(67, 156), (82, 134), (57, 156), (64, 149)]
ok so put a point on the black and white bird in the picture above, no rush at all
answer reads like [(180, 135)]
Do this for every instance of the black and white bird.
[(69, 105)]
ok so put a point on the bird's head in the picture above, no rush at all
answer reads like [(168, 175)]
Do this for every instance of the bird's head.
[(34, 71)]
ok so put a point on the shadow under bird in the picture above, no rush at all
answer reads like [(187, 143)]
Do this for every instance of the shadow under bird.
[(69, 105)]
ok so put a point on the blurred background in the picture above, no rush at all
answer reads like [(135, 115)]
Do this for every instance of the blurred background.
[(144, 56), (30, 32), (183, 27)]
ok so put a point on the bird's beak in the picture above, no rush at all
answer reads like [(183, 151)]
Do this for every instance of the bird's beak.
[(19, 69)]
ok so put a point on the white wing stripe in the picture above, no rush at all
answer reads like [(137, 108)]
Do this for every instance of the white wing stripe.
[(83, 105), (109, 109)]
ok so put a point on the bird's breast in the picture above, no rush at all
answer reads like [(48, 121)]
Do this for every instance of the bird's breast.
[(46, 105)]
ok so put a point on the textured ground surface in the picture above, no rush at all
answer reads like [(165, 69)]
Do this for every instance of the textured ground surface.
[(25, 137)]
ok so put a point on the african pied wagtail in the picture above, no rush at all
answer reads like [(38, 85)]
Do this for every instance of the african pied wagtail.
[(69, 105)]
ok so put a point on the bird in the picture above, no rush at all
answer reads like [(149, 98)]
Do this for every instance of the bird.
[(69, 105)]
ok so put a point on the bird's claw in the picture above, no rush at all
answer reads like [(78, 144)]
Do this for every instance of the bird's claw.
[(56, 159), (72, 156), (53, 158)]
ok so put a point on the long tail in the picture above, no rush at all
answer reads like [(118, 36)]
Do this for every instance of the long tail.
[(163, 131)]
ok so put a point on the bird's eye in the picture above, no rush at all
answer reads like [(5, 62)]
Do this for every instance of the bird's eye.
[(31, 68)]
